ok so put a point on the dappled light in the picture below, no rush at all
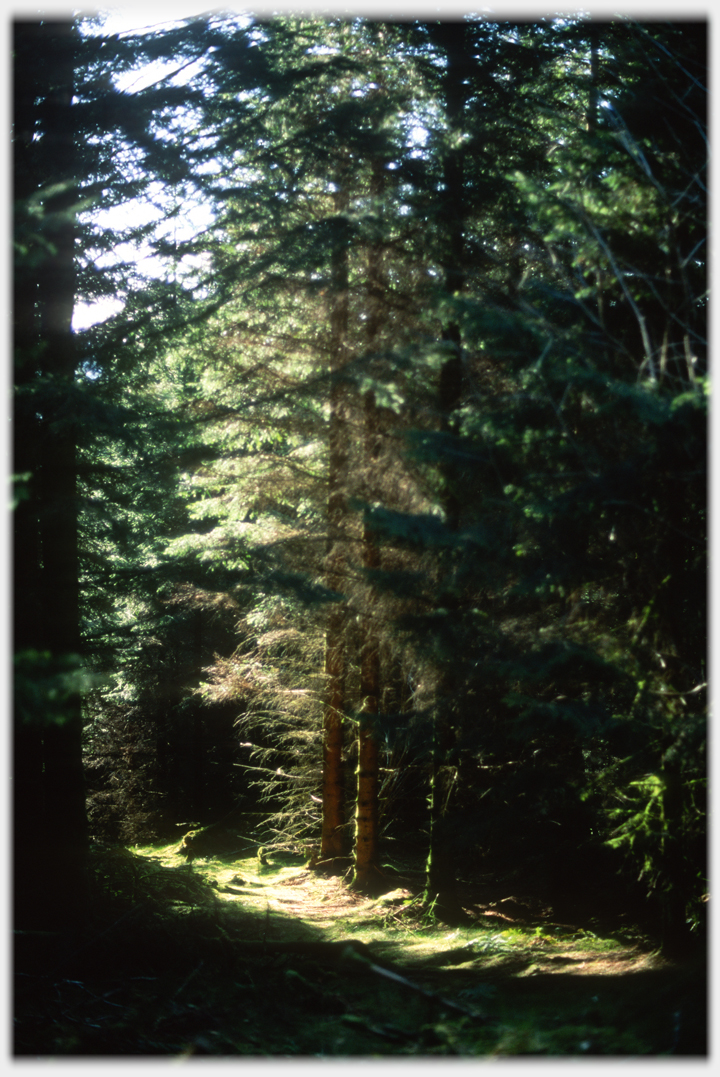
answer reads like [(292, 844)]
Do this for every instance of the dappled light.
[(266, 957), (359, 531)]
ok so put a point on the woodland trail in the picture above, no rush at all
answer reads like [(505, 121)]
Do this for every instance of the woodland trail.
[(512, 958), (509, 932), (239, 957)]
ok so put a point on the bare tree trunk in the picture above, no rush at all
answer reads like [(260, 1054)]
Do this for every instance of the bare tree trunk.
[(367, 876), (334, 842), (440, 883)]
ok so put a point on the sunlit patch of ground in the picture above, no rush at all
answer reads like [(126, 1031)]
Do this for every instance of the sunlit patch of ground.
[(272, 959), (500, 938)]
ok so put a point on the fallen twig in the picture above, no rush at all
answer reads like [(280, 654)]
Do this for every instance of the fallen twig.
[(350, 953)]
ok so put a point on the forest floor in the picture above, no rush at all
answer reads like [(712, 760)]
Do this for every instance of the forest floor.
[(239, 957)]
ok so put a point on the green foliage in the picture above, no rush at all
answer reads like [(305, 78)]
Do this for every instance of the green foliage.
[(46, 687), (510, 368)]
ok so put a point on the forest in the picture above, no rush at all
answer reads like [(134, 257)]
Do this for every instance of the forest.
[(359, 548)]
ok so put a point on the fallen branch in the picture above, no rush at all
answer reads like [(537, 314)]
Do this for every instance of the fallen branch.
[(351, 954)]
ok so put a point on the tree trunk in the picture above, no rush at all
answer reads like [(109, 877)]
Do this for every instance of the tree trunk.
[(366, 876), (50, 827), (593, 95), (333, 815), (676, 936), (440, 883), (334, 842)]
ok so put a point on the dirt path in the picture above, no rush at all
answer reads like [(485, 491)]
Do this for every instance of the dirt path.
[(507, 932), (274, 960), (526, 983)]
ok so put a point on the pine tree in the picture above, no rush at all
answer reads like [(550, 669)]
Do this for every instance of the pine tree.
[(301, 240), (569, 353), (49, 797), (425, 406), (73, 135)]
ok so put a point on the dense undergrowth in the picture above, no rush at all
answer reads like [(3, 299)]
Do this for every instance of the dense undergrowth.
[(262, 957)]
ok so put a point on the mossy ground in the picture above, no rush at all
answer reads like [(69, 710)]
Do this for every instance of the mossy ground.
[(231, 957)]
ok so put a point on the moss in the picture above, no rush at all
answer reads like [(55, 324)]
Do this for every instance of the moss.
[(170, 965)]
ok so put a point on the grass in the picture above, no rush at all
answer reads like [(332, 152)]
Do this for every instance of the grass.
[(235, 957)]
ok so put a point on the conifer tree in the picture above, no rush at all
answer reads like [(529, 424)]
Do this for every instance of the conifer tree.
[(306, 243), (366, 871), (333, 839), (425, 402), (561, 347), (72, 137), (451, 39), (49, 799)]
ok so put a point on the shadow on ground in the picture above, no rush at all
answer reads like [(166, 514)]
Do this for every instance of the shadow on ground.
[(270, 959)]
